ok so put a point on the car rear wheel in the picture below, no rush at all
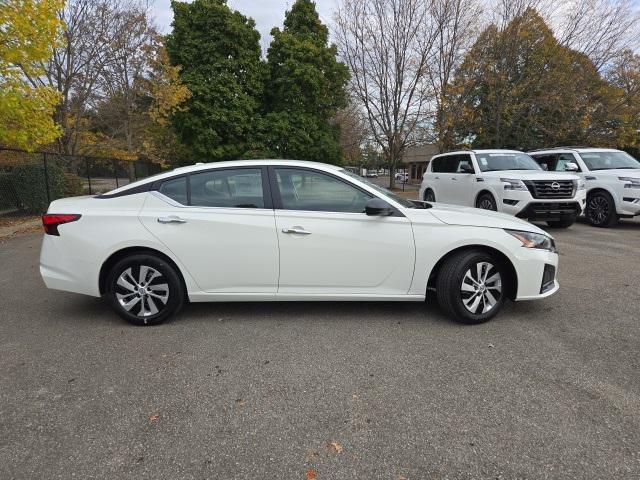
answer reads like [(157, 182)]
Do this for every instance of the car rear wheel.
[(144, 289), (601, 210), (486, 202), (562, 223), (429, 196), (470, 286)]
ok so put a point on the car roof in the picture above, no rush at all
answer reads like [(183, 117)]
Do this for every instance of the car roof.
[(573, 149), (226, 164)]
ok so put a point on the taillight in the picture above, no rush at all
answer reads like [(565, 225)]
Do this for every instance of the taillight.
[(50, 221)]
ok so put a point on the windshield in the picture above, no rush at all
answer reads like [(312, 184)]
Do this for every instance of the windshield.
[(492, 162), (402, 201), (609, 160)]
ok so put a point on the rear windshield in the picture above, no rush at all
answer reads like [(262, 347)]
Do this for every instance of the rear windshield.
[(492, 162)]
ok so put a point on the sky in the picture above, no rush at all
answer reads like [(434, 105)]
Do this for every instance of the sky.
[(266, 13)]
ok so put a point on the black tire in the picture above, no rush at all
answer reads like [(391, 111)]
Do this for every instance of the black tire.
[(601, 210), (487, 202), (453, 289), (149, 284), (429, 196), (562, 223)]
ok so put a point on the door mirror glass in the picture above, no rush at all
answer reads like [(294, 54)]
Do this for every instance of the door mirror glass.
[(378, 207), (545, 167), (571, 167)]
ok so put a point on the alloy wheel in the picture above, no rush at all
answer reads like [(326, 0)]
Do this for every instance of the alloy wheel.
[(430, 197), (486, 204), (142, 291), (598, 209), (481, 288)]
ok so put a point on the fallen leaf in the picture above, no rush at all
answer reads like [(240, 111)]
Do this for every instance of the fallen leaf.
[(154, 417), (335, 446), (240, 402), (311, 474), (354, 396)]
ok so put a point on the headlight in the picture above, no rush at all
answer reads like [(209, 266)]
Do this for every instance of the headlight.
[(513, 184), (631, 182), (582, 185), (534, 240)]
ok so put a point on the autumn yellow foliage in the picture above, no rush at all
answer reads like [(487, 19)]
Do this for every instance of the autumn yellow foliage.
[(29, 30)]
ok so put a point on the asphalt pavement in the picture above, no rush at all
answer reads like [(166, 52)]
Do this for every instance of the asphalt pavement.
[(549, 389)]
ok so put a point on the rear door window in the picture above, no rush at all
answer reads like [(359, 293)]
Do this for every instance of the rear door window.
[(228, 188)]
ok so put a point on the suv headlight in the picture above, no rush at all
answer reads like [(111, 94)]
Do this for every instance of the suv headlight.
[(630, 182), (513, 184), (534, 240)]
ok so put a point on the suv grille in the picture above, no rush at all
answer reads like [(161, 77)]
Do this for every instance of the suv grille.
[(553, 189)]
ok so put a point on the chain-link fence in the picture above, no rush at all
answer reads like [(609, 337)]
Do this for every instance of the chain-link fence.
[(30, 181)]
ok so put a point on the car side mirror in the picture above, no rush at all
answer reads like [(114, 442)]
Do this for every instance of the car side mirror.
[(571, 167), (466, 168), (544, 166), (378, 208)]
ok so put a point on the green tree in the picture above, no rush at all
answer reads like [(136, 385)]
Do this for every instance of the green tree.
[(520, 88), (219, 52), (29, 29), (304, 90)]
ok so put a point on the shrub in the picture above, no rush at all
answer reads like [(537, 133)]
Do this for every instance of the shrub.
[(73, 185), (30, 186), (8, 197)]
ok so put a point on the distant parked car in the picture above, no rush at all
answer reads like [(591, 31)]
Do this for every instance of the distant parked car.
[(612, 179), (402, 176), (267, 230), (504, 181), (372, 174)]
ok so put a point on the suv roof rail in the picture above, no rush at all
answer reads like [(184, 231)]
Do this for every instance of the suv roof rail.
[(561, 147)]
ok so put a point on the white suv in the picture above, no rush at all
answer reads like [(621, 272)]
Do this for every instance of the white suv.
[(506, 181), (612, 178)]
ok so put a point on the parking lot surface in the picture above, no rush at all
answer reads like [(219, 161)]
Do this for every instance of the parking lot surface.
[(549, 389)]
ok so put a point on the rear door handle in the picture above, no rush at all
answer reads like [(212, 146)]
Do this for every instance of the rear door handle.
[(296, 231), (171, 219), (454, 178)]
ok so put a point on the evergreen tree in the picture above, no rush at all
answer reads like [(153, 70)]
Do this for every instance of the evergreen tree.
[(219, 52), (304, 90)]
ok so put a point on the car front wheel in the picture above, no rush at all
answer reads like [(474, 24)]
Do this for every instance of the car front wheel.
[(470, 287), (487, 202), (601, 210), (144, 289), (429, 196)]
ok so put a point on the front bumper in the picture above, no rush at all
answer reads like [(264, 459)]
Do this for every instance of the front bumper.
[(531, 265), (550, 210)]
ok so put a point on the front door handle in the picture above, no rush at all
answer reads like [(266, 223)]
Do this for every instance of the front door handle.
[(296, 230), (171, 219), (454, 178), (437, 178)]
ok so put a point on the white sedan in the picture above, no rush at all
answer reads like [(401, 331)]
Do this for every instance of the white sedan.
[(286, 230)]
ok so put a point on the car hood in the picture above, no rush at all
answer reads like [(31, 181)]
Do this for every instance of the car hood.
[(531, 175), (618, 172), (472, 217)]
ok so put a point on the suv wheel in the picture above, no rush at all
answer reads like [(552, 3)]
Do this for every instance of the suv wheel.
[(144, 289), (601, 210), (429, 196), (486, 202), (562, 223), (470, 287)]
